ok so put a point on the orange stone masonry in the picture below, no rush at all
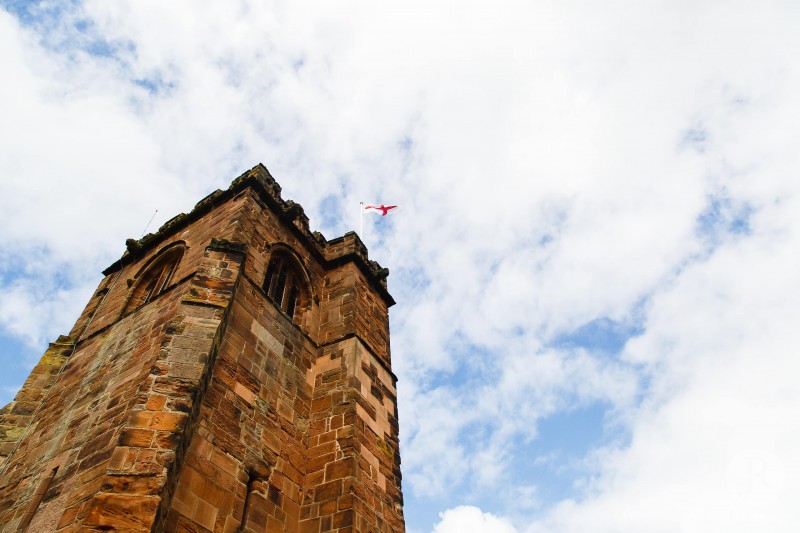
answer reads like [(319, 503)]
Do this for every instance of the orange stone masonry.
[(209, 408)]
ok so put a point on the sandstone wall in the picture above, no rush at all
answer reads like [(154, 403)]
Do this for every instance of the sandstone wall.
[(353, 477), (112, 428), (246, 463)]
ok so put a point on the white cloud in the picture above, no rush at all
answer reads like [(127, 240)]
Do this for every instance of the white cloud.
[(714, 446), (467, 519)]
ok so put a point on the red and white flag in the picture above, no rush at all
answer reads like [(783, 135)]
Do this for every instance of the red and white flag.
[(381, 209)]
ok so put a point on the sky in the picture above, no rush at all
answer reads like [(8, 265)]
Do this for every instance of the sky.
[(597, 264)]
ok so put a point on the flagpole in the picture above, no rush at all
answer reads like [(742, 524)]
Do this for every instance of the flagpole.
[(361, 215)]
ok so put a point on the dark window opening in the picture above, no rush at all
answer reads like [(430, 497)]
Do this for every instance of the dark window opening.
[(283, 284), (155, 280)]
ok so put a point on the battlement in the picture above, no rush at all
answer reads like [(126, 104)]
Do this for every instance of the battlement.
[(334, 252)]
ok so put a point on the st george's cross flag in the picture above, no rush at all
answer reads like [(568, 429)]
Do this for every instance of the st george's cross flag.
[(381, 209)]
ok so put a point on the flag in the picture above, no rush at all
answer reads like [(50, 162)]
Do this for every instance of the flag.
[(381, 209)]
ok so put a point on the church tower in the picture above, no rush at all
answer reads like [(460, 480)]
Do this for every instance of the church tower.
[(231, 373)]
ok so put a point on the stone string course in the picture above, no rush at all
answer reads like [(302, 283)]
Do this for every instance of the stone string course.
[(208, 408)]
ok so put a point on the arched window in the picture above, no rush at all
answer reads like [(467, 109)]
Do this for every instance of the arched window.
[(284, 284), (155, 279)]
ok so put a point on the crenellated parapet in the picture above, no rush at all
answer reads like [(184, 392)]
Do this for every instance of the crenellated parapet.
[(332, 253)]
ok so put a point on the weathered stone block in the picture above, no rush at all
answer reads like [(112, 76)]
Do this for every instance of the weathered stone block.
[(140, 438), (115, 511)]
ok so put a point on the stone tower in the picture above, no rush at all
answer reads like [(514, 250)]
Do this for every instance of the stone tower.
[(231, 373)]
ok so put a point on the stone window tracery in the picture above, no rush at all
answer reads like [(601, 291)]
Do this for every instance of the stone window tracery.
[(284, 284), (156, 279)]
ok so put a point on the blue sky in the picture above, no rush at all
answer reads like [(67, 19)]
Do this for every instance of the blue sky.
[(598, 254)]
